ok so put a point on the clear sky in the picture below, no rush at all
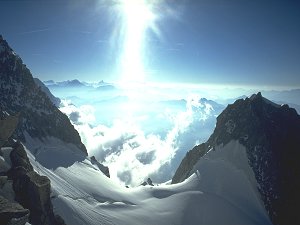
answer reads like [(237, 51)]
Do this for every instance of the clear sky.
[(191, 41)]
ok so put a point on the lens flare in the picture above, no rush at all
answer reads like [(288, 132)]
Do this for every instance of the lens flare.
[(137, 17)]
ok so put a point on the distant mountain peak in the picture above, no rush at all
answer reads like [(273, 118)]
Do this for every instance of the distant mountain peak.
[(256, 96), (74, 81)]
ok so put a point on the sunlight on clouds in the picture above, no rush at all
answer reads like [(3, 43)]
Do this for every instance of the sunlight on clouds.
[(82, 115), (131, 154)]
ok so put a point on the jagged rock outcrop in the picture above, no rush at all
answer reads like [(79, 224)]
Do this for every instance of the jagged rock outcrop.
[(102, 168), (12, 213), (19, 182), (39, 117), (188, 162), (270, 134), (32, 190), (18, 157), (6, 189), (7, 127), (148, 182)]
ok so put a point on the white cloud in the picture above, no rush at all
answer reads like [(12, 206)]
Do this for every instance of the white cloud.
[(78, 115), (131, 154)]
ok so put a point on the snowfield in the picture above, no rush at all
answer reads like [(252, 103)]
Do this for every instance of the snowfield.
[(220, 191)]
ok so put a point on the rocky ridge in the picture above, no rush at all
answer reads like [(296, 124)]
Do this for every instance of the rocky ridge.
[(270, 134), (102, 168), (38, 116), (12, 213), (24, 194)]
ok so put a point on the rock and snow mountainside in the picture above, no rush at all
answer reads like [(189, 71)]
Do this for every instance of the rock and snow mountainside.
[(40, 120), (56, 101), (259, 139), (24, 194), (83, 195), (223, 190), (219, 194)]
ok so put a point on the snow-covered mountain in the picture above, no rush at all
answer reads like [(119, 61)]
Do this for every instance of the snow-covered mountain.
[(221, 190), (65, 84), (258, 142), (246, 173), (27, 113), (82, 194), (24, 194), (76, 84), (40, 121)]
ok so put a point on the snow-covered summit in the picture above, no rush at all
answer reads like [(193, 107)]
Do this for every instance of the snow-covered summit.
[(270, 135), (77, 84), (65, 84)]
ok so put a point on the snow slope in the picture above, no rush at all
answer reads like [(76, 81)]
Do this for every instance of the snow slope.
[(221, 193), (225, 171)]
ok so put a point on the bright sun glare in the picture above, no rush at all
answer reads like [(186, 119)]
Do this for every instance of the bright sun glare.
[(137, 16)]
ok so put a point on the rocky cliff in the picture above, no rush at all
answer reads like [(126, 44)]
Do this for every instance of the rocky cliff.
[(7, 127), (38, 116), (270, 134), (24, 194)]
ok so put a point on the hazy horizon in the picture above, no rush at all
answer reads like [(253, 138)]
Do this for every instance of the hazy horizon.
[(152, 130)]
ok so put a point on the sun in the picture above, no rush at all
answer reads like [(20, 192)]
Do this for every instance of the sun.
[(137, 17)]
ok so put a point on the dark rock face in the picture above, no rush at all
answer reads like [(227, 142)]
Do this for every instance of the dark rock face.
[(104, 169), (186, 165), (59, 220), (39, 117), (6, 188), (18, 157), (148, 182), (32, 191), (144, 183), (12, 213), (270, 134), (22, 184), (7, 127)]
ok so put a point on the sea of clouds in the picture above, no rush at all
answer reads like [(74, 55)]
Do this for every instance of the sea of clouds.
[(134, 154), (145, 130)]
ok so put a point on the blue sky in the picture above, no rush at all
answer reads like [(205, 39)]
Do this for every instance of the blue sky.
[(234, 42)]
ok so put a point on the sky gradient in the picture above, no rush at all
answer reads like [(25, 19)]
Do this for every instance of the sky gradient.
[(234, 42)]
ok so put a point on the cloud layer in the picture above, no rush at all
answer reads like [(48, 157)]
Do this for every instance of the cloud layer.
[(132, 154)]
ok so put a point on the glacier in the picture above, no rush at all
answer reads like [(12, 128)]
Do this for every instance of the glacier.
[(220, 190)]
